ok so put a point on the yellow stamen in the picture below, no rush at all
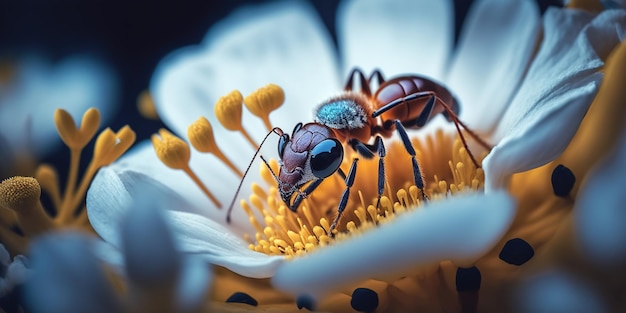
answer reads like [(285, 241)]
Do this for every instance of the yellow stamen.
[(108, 148), (13, 242), (291, 234), (175, 154), (145, 106), (110, 145), (263, 101), (68, 208), (228, 111), (171, 150), (73, 137), (7, 218), (48, 179), (76, 139), (200, 135), (21, 194)]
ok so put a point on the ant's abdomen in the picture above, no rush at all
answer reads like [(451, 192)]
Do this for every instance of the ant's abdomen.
[(403, 86)]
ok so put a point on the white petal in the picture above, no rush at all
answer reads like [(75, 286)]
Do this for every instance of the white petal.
[(557, 292), (493, 53), (460, 228), (66, 277), (217, 245), (110, 255), (141, 165), (107, 200), (111, 196), (27, 105), (556, 93), (195, 281), (545, 134), (396, 36), (283, 43), (149, 249), (600, 217), (152, 258)]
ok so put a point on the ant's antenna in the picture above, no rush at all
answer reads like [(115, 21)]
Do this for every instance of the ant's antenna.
[(275, 130)]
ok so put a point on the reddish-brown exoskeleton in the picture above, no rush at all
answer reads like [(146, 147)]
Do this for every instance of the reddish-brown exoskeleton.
[(315, 150)]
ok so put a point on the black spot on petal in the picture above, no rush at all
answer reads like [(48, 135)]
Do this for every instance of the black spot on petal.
[(563, 180), (467, 279), (364, 300), (242, 297), (516, 251), (305, 302)]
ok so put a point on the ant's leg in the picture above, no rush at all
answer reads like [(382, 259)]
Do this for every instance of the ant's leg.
[(455, 118), (341, 173), (378, 75), (303, 194), (457, 122), (365, 86), (400, 101), (417, 175), (344, 197), (426, 112), (367, 151), (380, 147), (362, 149)]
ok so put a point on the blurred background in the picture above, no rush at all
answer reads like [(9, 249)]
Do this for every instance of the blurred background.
[(126, 39)]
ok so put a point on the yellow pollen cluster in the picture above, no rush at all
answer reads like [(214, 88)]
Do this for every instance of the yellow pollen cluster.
[(282, 232), (175, 152), (22, 213)]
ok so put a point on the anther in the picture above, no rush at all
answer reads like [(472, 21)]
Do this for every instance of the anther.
[(21, 194), (49, 182), (200, 135), (175, 154), (171, 150), (228, 111), (73, 137), (145, 106), (263, 101), (114, 145)]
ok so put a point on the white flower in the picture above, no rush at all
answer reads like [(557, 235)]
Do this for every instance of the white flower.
[(36, 88), (530, 106)]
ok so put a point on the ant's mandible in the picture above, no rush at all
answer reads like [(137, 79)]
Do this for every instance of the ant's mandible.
[(314, 151)]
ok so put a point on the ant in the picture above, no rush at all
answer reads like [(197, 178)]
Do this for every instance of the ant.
[(315, 150)]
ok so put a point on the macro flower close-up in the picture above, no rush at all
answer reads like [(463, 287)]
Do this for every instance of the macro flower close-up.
[(435, 156), (524, 83)]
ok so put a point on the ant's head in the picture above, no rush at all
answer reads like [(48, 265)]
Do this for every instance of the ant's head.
[(312, 153)]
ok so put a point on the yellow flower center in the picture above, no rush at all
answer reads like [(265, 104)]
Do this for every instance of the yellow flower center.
[(446, 167)]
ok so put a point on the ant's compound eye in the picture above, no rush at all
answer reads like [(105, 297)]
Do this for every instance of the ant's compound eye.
[(326, 157), (282, 143)]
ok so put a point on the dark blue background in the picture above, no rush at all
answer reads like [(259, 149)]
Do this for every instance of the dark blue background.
[(131, 35)]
